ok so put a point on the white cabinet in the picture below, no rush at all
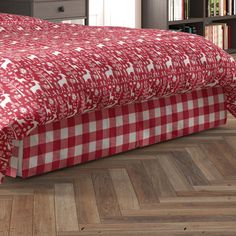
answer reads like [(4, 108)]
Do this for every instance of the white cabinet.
[(115, 13)]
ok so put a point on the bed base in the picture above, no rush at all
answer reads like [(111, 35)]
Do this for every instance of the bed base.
[(104, 133)]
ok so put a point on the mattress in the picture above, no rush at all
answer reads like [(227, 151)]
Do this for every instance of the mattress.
[(99, 134)]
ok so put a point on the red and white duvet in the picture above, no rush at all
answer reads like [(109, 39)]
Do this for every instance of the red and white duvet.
[(49, 71)]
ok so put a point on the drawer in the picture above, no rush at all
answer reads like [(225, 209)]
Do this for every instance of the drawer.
[(59, 9)]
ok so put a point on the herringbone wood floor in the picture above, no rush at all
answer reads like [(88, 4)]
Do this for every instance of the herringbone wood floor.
[(182, 187)]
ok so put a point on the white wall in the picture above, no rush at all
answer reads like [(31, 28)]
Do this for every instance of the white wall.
[(115, 13), (96, 16)]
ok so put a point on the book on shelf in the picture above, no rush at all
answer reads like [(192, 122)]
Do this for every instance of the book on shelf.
[(178, 9), (219, 34), (229, 8), (221, 7), (211, 8), (186, 9), (171, 10), (217, 7), (234, 4)]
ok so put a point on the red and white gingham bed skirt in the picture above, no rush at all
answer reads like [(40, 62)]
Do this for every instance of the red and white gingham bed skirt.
[(103, 133)]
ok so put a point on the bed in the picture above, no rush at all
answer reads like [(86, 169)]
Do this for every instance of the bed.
[(70, 94)]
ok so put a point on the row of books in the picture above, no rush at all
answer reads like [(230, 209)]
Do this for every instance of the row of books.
[(219, 34), (178, 9), (221, 7)]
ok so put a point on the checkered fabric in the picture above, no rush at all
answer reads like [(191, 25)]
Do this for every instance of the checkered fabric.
[(180, 115), (103, 133)]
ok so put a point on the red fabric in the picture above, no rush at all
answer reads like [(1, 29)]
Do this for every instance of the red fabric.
[(103, 133), (15, 19), (50, 71)]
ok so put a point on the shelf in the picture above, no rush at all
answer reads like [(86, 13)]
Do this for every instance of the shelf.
[(216, 18), (231, 51), (155, 14), (186, 21), (199, 20)]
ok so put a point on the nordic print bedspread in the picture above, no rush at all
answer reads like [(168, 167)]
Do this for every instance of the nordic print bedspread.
[(51, 71)]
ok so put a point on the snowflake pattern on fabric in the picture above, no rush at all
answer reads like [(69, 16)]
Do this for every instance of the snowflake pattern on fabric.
[(49, 72)]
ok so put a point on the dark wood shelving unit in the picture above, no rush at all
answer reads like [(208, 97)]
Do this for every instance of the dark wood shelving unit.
[(187, 21), (155, 15)]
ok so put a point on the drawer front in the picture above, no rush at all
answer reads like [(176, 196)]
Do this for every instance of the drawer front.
[(59, 9)]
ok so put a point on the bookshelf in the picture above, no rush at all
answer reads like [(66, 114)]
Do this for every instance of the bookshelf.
[(155, 14)]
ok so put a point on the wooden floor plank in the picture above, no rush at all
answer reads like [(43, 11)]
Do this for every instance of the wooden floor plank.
[(22, 216), (232, 142), (142, 185), (124, 190), (107, 202), (189, 169), (44, 222), (165, 227), (159, 179), (200, 211), (204, 164), (199, 199), (174, 175), (149, 233), (228, 150), (65, 208), (222, 188), (86, 200), (217, 157), (177, 218), (5, 214)]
